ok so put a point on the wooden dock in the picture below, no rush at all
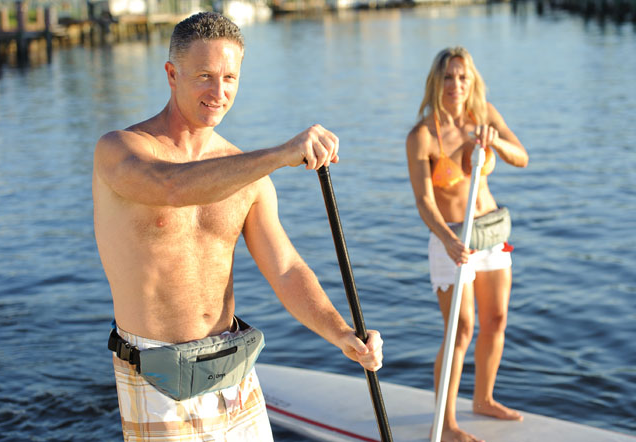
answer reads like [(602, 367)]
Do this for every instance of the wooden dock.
[(19, 38), (30, 35), (24, 40), (616, 10)]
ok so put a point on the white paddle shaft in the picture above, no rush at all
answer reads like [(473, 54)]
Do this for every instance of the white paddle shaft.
[(478, 158)]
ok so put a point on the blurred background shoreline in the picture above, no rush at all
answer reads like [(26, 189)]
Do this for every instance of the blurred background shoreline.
[(30, 30)]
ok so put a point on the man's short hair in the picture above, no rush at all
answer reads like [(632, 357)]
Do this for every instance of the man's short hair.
[(202, 26)]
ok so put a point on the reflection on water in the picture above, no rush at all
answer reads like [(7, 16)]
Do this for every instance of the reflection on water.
[(562, 84)]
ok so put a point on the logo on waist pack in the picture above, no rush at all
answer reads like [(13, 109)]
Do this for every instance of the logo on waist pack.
[(216, 376)]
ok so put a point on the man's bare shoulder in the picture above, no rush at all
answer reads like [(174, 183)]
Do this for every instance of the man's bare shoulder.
[(125, 138), (262, 193)]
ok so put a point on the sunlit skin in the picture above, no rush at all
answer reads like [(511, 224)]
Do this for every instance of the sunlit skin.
[(172, 197), (438, 206)]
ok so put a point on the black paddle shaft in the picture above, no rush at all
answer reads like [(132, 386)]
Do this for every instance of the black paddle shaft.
[(352, 297)]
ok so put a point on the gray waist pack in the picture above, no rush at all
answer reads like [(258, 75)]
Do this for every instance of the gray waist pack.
[(489, 230), (182, 371)]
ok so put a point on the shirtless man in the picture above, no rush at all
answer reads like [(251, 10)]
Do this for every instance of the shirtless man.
[(171, 198)]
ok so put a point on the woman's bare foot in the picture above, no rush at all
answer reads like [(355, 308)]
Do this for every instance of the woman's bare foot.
[(457, 435), (496, 410)]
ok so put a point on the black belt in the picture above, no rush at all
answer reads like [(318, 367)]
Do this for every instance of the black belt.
[(124, 350)]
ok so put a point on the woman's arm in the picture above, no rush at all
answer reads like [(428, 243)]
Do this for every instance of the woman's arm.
[(502, 139)]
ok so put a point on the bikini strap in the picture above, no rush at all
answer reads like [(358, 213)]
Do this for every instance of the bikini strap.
[(439, 136)]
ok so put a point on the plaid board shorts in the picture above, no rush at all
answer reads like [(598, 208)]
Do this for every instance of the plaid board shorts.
[(237, 413)]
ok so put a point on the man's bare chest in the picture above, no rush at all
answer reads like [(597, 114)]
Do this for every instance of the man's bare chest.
[(223, 221)]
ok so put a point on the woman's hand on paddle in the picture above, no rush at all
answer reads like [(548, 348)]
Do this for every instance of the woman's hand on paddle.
[(486, 135), (457, 251), (369, 355), (315, 147)]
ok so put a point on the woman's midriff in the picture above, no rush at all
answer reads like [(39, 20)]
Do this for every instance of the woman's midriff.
[(452, 202)]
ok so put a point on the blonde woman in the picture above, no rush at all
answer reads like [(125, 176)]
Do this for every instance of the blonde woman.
[(453, 117)]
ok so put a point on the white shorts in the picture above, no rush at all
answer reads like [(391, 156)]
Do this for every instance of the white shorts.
[(443, 269)]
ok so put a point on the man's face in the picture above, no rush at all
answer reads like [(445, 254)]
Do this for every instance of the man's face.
[(205, 80)]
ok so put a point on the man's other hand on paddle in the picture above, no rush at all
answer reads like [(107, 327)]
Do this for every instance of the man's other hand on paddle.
[(369, 355)]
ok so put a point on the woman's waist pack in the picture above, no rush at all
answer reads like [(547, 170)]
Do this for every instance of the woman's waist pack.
[(489, 230), (182, 371)]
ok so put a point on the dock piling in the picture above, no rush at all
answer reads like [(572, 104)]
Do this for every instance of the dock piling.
[(22, 45)]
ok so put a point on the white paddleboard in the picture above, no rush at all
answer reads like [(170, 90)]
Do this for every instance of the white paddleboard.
[(331, 407)]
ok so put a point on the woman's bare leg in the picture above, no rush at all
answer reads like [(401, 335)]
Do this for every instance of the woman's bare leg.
[(492, 292)]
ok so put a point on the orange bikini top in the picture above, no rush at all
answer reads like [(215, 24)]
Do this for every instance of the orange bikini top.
[(447, 172)]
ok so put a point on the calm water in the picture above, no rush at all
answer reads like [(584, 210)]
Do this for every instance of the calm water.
[(565, 86)]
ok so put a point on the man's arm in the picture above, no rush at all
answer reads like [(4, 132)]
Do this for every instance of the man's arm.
[(295, 283), (125, 161)]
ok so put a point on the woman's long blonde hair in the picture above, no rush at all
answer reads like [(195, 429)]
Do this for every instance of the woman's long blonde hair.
[(432, 102)]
